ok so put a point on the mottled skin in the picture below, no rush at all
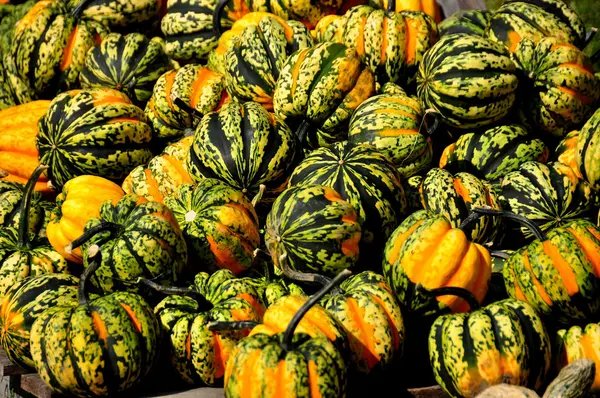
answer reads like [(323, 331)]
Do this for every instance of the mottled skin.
[(120, 13), (566, 151), (578, 342), (588, 151), (466, 21), (11, 194)]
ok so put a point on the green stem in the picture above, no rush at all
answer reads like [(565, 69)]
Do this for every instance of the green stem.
[(301, 276), (302, 131), (203, 303), (391, 5), (23, 232), (93, 254), (499, 254), (595, 57), (216, 17), (589, 37), (286, 342), (185, 107), (261, 191), (90, 233), (451, 291), (220, 326), (478, 212), (429, 113), (76, 12)]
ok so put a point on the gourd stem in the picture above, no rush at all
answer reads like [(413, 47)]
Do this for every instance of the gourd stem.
[(429, 113), (261, 191), (90, 233), (26, 205), (76, 12), (301, 276), (589, 37), (203, 303), (595, 57), (499, 254), (93, 254), (478, 212), (451, 291), (185, 107), (302, 131), (286, 343), (391, 6), (216, 17), (220, 326)]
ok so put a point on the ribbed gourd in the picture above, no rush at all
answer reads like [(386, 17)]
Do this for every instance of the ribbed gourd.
[(494, 153), (558, 91), (129, 63), (468, 81), (255, 57), (430, 7), (119, 14), (97, 132), (473, 22), (307, 12), (566, 151), (588, 151), (579, 342), (318, 89)]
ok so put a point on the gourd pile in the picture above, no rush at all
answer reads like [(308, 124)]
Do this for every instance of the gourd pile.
[(300, 198)]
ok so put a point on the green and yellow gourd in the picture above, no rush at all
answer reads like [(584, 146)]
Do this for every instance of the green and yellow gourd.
[(535, 19), (244, 146), (566, 151), (558, 91), (588, 151), (271, 290), (366, 179), (468, 81), (494, 153), (579, 342), (255, 57), (119, 331), (23, 253), (454, 196), (472, 22), (504, 342), (199, 354), (317, 91), (11, 196), (129, 63), (23, 303), (202, 90), (308, 13), (97, 131), (219, 224), (548, 195), (317, 230), (115, 14), (393, 124), (139, 239)]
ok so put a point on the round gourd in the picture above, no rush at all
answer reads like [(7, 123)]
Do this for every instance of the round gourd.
[(559, 90), (469, 81), (79, 201), (430, 7), (315, 227), (588, 151), (579, 342), (318, 89), (472, 22), (244, 146), (129, 63), (566, 151), (115, 14), (494, 153), (97, 131), (219, 224), (366, 179), (392, 123), (308, 13)]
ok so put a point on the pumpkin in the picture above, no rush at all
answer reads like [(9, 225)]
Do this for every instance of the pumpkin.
[(317, 230), (255, 57), (425, 249), (579, 342), (115, 14), (393, 124), (366, 179), (430, 7), (129, 63), (469, 81), (244, 146), (505, 332), (494, 153), (549, 195), (97, 131), (119, 330), (318, 89), (198, 354), (558, 91), (193, 85), (11, 196), (219, 224), (23, 303), (139, 239), (588, 151), (472, 22), (22, 253), (163, 174), (18, 153), (535, 19), (79, 201)]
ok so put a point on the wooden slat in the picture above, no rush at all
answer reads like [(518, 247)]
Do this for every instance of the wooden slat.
[(33, 384), (7, 368)]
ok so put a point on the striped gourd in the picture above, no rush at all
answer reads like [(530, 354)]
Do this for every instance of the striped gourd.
[(472, 22), (413, 196), (535, 19), (308, 12), (244, 146), (565, 90), (318, 89), (11, 195), (494, 153), (219, 224), (163, 174), (23, 303), (97, 131), (588, 151), (578, 342), (557, 273), (392, 123), (315, 227), (430, 7), (468, 80), (566, 151), (198, 87), (426, 249), (129, 63), (198, 354), (549, 195), (255, 57), (453, 196), (366, 179), (329, 28), (270, 291), (118, 14), (471, 351)]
